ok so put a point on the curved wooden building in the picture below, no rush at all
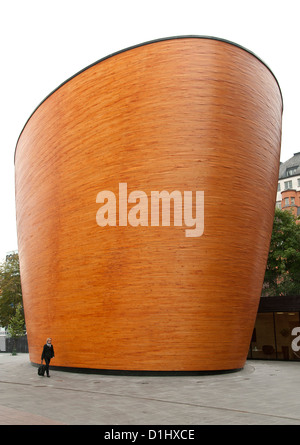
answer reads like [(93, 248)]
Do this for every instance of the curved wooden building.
[(115, 285)]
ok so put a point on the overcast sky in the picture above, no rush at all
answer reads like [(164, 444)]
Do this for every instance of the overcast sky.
[(44, 43)]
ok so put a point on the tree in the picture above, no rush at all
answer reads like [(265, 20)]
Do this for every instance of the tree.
[(282, 275), (10, 289), (16, 326)]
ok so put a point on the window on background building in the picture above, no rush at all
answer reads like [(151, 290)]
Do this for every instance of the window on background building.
[(285, 322), (286, 201), (278, 188), (273, 336), (278, 204), (288, 185), (298, 182), (291, 171), (292, 200), (263, 338)]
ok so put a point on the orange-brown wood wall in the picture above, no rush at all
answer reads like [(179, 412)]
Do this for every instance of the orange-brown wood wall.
[(182, 114)]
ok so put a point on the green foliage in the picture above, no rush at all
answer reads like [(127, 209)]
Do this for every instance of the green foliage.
[(16, 325), (10, 289), (283, 268)]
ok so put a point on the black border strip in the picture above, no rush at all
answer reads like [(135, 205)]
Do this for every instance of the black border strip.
[(278, 303), (144, 44), (129, 373)]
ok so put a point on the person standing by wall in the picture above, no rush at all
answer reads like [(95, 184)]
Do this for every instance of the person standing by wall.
[(48, 354)]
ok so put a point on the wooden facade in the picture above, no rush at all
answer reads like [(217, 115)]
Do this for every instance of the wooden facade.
[(184, 114)]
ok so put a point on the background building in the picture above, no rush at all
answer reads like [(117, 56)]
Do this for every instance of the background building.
[(279, 315), (288, 192)]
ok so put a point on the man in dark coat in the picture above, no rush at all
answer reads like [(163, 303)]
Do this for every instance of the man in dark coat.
[(47, 354)]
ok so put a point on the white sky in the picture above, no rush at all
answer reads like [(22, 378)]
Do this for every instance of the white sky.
[(44, 43)]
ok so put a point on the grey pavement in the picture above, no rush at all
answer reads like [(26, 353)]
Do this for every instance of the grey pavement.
[(263, 393)]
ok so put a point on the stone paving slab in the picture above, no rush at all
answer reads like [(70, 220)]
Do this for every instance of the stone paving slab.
[(263, 393), (10, 416)]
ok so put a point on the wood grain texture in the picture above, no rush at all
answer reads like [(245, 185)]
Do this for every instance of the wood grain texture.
[(181, 114)]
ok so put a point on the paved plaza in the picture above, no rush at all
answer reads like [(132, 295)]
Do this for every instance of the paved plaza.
[(263, 393)]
